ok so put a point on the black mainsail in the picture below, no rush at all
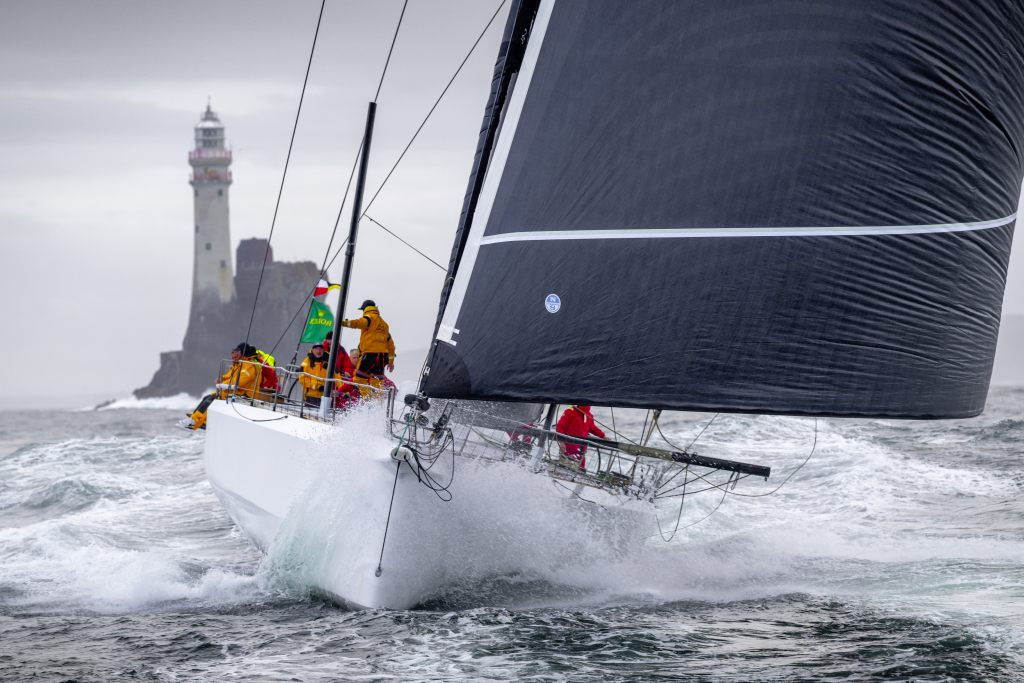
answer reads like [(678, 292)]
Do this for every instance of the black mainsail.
[(797, 207)]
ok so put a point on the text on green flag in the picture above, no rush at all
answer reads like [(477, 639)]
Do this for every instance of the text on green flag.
[(320, 322)]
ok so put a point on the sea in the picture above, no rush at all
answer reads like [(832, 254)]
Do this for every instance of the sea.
[(893, 551)]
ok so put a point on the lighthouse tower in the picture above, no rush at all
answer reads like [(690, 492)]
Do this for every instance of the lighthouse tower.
[(212, 277)]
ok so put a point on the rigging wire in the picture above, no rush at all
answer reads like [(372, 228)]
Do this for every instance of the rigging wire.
[(814, 445), (685, 450), (667, 493), (328, 263), (325, 264), (385, 229), (419, 129), (436, 102), (391, 49), (679, 515), (284, 172), (725, 492), (699, 434), (721, 500), (387, 524), (725, 486), (424, 123), (621, 437)]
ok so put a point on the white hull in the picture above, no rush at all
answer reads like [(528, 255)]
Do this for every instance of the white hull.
[(316, 499)]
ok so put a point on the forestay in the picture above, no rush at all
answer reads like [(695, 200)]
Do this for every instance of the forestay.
[(800, 207)]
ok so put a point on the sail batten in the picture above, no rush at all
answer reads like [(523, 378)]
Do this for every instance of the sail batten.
[(791, 207)]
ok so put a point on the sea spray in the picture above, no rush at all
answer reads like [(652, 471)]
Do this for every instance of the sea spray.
[(501, 520), (317, 531)]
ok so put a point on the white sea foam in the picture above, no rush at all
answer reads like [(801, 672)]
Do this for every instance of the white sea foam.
[(60, 572), (178, 402), (114, 524)]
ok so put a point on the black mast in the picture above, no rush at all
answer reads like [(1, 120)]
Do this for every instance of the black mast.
[(350, 250)]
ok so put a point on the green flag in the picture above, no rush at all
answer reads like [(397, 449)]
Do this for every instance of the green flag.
[(319, 324)]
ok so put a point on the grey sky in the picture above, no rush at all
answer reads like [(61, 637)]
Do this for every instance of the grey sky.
[(97, 104)]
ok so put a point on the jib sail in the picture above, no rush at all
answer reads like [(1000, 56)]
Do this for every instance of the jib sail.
[(796, 207)]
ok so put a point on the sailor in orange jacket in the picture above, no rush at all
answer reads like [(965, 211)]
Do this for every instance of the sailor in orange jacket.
[(579, 422), (376, 347)]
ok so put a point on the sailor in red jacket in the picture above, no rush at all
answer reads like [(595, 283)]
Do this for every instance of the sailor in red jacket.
[(577, 421), (342, 363)]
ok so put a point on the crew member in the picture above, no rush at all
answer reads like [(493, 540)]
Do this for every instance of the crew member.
[(314, 374), (268, 376), (241, 379), (342, 363), (376, 347), (577, 421)]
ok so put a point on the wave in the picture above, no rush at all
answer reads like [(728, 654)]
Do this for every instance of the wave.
[(59, 574), (179, 402), (60, 498)]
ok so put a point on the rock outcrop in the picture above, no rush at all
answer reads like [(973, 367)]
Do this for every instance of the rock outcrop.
[(214, 328)]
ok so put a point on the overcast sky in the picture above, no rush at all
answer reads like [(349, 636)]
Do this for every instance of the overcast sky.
[(98, 101)]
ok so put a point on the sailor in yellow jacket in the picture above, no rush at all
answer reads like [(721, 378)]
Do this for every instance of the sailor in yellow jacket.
[(242, 378), (376, 347), (314, 374)]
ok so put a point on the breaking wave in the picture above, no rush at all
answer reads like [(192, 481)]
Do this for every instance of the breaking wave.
[(178, 402), (116, 524)]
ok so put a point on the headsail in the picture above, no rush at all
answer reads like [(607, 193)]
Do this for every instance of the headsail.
[(800, 207)]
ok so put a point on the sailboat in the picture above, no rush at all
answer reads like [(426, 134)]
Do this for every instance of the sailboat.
[(773, 208)]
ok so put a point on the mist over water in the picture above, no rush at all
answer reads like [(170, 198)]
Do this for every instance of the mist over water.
[(896, 552)]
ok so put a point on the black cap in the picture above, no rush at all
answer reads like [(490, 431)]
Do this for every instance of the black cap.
[(367, 304), (330, 335)]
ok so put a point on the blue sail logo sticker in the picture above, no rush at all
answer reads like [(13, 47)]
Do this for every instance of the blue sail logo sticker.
[(552, 303)]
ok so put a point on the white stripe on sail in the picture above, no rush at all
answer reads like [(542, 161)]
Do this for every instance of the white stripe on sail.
[(494, 172), (666, 233)]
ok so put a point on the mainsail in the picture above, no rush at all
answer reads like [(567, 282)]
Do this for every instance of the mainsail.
[(796, 207)]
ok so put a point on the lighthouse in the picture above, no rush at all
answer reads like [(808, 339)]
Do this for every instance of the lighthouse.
[(212, 276), (223, 312)]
